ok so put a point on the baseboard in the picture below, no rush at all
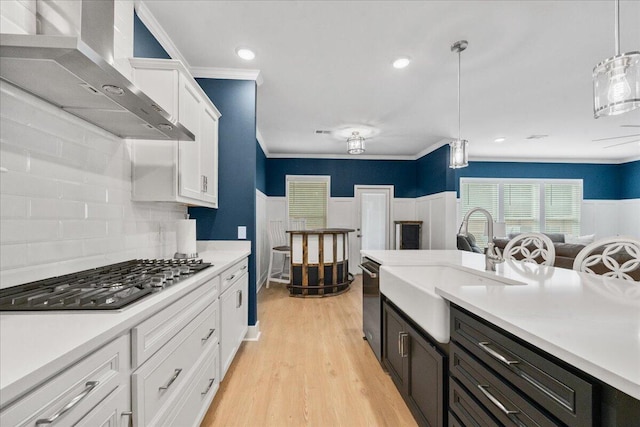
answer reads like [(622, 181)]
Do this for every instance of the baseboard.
[(253, 333)]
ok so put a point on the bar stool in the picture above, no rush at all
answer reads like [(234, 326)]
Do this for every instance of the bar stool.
[(531, 247), (279, 247), (617, 257)]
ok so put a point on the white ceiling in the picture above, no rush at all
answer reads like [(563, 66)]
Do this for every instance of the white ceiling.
[(327, 64)]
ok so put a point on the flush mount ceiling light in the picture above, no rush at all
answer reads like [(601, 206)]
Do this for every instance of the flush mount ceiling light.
[(458, 149), (501, 139), (355, 143), (113, 90), (616, 80), (401, 62), (244, 53)]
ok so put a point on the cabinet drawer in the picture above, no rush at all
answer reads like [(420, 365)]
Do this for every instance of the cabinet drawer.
[(150, 335), (501, 401), (109, 412), (202, 387), (557, 389), (466, 409), (158, 382), (233, 273), (81, 387)]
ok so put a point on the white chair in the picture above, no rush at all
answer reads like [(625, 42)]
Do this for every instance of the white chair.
[(600, 256), (279, 247), (527, 247), (297, 224)]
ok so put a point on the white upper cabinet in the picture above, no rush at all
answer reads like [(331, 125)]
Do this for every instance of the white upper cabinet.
[(186, 172)]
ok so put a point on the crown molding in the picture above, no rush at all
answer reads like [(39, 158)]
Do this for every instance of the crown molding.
[(433, 147), (339, 156), (158, 32), (261, 142), (547, 160), (227, 73)]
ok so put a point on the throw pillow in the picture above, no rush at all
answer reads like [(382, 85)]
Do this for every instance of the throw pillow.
[(580, 240)]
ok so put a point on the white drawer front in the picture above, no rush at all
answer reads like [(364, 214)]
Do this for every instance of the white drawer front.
[(149, 336), (109, 412), (233, 273), (158, 382), (195, 400), (78, 388)]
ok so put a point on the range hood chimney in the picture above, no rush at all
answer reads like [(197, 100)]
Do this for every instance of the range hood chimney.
[(75, 72)]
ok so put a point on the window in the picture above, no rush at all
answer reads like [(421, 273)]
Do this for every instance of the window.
[(307, 198), (546, 206)]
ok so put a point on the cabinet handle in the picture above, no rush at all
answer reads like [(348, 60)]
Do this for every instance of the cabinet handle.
[(492, 398), (369, 272), (89, 386), (244, 267), (173, 378), (203, 183), (211, 331), (485, 346), (211, 381), (239, 295), (130, 415), (401, 344), (231, 277)]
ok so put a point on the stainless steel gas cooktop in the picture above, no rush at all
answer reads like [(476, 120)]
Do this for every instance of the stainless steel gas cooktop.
[(104, 288)]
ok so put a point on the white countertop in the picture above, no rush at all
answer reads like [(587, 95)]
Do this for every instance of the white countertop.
[(36, 345), (588, 321)]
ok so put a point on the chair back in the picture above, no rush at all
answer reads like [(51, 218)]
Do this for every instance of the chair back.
[(617, 257), (531, 247), (297, 224), (277, 235)]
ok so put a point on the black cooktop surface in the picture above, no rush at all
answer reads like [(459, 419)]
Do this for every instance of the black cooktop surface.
[(104, 288)]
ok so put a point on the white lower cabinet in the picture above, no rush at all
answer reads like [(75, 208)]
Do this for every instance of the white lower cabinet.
[(80, 391), (233, 313)]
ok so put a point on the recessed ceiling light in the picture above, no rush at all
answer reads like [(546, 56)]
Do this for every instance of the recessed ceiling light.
[(401, 62), (245, 53), (501, 139)]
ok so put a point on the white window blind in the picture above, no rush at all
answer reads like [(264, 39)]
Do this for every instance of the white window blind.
[(479, 194), (524, 205), (307, 199)]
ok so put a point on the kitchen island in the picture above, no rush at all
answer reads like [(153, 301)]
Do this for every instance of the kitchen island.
[(589, 323)]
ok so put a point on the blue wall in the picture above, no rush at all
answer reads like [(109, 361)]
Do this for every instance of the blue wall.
[(236, 101), (345, 173), (630, 180), (433, 173), (600, 182), (261, 169), (144, 44)]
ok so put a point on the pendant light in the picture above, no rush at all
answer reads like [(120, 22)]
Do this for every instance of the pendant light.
[(355, 143), (616, 80), (458, 149)]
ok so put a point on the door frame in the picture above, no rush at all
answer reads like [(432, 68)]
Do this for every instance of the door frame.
[(357, 213)]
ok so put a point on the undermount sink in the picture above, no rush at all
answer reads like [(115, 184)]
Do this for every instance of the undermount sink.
[(412, 289)]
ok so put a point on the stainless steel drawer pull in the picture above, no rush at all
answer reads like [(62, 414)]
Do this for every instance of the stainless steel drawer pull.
[(239, 299), (231, 277), (89, 386), (492, 398), (244, 267), (403, 346), (211, 381), (173, 378), (495, 354), (211, 331), (369, 272)]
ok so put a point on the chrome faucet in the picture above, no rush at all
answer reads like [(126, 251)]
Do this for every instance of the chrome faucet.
[(491, 256)]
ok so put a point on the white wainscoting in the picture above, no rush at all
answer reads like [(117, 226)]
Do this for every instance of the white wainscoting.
[(263, 247), (438, 213), (606, 218)]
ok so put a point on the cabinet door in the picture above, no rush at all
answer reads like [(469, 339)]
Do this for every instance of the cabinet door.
[(113, 411), (425, 380), (243, 308), (191, 110), (228, 327), (395, 338), (209, 156)]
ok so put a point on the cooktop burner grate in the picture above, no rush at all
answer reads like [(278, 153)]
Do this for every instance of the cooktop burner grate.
[(104, 288)]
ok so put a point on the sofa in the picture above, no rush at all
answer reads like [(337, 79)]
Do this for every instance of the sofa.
[(565, 252)]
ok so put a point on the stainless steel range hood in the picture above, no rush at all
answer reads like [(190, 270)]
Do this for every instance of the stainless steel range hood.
[(75, 74)]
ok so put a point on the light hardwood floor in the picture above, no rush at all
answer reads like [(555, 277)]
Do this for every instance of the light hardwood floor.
[(310, 367)]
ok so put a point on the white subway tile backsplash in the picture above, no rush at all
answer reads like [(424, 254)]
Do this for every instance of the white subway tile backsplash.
[(13, 206), (66, 201)]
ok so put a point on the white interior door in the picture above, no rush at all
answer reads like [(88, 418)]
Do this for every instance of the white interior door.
[(373, 220)]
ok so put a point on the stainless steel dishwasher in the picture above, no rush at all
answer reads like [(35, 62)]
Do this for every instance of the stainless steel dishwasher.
[(371, 305)]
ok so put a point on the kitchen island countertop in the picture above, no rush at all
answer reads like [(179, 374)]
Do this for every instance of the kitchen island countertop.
[(588, 321), (34, 346)]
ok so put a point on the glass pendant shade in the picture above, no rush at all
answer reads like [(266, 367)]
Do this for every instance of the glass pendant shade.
[(458, 154), (616, 85), (355, 144)]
